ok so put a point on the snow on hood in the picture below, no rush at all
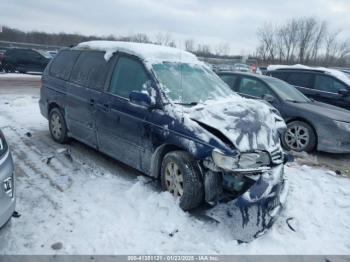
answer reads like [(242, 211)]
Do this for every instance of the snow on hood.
[(247, 123), (334, 72), (147, 52)]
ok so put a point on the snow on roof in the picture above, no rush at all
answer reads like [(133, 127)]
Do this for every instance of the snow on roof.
[(147, 52), (334, 72)]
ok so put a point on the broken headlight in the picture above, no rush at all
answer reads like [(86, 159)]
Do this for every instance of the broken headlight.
[(223, 161)]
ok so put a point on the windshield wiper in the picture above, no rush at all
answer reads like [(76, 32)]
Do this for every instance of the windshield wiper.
[(187, 104)]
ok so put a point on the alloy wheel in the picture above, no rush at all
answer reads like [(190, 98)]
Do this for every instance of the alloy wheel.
[(174, 179), (297, 137), (56, 126)]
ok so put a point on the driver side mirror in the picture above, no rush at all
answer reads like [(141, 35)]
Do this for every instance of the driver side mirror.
[(269, 98), (141, 98), (344, 92)]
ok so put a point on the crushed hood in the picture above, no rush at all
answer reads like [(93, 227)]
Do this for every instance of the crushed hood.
[(247, 123)]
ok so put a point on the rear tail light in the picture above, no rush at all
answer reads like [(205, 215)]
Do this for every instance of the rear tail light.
[(3, 144), (8, 186)]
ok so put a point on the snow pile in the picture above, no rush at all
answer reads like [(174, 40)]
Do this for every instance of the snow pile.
[(148, 52), (248, 123), (334, 72), (18, 75), (93, 205)]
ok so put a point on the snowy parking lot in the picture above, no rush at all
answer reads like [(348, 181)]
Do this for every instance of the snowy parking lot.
[(74, 200)]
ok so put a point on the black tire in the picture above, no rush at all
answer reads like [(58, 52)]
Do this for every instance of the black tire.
[(299, 143), (58, 132), (22, 72), (193, 190), (9, 68)]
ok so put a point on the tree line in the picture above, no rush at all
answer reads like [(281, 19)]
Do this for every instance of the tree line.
[(66, 39), (302, 40)]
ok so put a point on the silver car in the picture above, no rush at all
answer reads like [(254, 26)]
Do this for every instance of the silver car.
[(7, 192)]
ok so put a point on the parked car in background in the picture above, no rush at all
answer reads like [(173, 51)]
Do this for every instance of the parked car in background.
[(310, 124), (52, 53), (263, 70), (7, 184), (241, 67), (204, 142), (2, 54), (25, 60), (322, 84)]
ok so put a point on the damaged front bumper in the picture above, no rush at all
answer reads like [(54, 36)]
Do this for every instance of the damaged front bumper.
[(252, 213)]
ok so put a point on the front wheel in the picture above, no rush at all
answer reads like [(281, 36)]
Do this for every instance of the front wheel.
[(180, 175), (57, 126), (299, 137)]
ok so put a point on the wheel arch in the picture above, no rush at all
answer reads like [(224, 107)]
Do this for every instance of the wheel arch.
[(53, 105), (158, 156)]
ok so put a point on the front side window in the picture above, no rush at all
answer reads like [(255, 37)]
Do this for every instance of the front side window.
[(253, 87), (229, 79), (328, 84), (190, 83), (286, 91), (129, 75)]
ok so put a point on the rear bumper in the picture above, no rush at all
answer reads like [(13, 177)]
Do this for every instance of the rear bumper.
[(43, 108), (7, 203), (254, 212)]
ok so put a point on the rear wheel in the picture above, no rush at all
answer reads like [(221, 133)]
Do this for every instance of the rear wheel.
[(299, 137), (180, 175), (57, 126)]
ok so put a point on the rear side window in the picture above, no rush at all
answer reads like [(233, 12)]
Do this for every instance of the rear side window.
[(230, 80), (90, 70), (328, 84), (129, 75), (279, 75), (300, 79), (63, 63)]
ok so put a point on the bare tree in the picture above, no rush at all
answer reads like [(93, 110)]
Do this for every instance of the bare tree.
[(189, 45), (302, 40), (266, 35), (222, 49)]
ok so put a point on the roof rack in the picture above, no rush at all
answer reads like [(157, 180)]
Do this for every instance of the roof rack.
[(301, 69)]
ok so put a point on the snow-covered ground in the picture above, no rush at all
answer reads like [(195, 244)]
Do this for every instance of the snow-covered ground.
[(4, 75), (92, 204)]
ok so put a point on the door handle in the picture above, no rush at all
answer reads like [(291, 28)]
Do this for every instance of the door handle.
[(106, 107), (92, 102)]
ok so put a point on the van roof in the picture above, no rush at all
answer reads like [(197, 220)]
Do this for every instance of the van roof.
[(149, 52), (334, 72)]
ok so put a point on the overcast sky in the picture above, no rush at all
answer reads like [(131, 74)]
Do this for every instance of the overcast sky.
[(205, 21)]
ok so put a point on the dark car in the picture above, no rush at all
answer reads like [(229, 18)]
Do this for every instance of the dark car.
[(310, 124), (25, 60), (204, 142), (325, 85)]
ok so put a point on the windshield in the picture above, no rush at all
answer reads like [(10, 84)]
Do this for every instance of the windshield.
[(189, 83), (286, 91)]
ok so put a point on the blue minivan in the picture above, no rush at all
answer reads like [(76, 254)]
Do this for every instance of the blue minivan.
[(165, 113)]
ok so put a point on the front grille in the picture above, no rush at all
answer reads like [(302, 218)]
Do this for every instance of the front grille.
[(277, 156)]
